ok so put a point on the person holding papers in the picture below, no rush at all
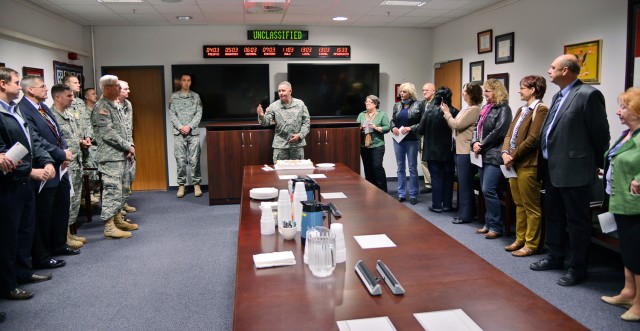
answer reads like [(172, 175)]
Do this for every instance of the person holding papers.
[(622, 180), (404, 123), (463, 125), (520, 152), (486, 140), (373, 125)]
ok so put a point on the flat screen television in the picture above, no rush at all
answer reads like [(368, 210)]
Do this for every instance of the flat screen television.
[(334, 90), (228, 91)]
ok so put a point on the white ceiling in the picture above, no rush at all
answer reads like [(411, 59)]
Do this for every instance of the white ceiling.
[(360, 13)]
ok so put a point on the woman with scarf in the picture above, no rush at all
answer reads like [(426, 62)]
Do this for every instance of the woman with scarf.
[(404, 122), (487, 139), (373, 125)]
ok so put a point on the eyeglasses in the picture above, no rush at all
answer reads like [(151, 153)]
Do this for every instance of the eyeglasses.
[(368, 101)]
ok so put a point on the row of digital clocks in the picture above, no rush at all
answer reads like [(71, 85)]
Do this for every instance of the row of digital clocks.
[(276, 51)]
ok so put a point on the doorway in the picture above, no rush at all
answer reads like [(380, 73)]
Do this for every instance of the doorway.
[(449, 74), (149, 127)]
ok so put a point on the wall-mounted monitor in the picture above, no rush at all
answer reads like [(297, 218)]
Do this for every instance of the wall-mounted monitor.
[(334, 90), (228, 91)]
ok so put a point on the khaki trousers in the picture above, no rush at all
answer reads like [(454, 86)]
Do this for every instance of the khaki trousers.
[(526, 196)]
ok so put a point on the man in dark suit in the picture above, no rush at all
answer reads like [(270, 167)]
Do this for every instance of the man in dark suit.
[(17, 201), (574, 137), (53, 200)]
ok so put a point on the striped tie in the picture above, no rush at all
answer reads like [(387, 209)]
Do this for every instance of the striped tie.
[(51, 125)]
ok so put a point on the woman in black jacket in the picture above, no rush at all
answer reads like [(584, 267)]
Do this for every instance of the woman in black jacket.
[(438, 150), (405, 120), (487, 140)]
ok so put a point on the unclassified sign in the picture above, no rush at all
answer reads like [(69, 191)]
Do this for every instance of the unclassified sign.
[(277, 35)]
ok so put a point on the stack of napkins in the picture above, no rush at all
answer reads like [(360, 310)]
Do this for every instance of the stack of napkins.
[(274, 259)]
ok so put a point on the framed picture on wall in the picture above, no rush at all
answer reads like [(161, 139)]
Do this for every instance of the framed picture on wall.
[(476, 72), (589, 56), (32, 71), (397, 89), (61, 69), (485, 41), (504, 48), (502, 77)]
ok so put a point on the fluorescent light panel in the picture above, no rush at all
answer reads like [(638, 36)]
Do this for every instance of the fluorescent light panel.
[(121, 1), (268, 1), (402, 3)]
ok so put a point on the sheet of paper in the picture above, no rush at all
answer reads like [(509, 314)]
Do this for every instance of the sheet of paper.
[(42, 185), (16, 152), (477, 160), (333, 195), (400, 136), (367, 324), (317, 176), (447, 320), (71, 191), (374, 241), (607, 222), (508, 173), (62, 171), (287, 176)]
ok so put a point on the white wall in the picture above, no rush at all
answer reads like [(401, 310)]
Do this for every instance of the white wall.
[(403, 54), (542, 28)]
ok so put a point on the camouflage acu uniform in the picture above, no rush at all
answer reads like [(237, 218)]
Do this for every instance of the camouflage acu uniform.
[(85, 130), (127, 112), (186, 110), (113, 146), (68, 124), (288, 119)]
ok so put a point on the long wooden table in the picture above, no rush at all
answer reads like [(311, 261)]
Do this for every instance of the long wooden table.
[(437, 272)]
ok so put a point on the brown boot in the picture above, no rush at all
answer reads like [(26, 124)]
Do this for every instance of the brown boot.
[(128, 208), (197, 191), (111, 231), (180, 193), (121, 224), (73, 244)]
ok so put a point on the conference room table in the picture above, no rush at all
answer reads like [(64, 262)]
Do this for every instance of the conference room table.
[(436, 271)]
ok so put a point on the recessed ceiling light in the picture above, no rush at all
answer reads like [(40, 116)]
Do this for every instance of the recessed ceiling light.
[(340, 18), (121, 1), (403, 3), (184, 18)]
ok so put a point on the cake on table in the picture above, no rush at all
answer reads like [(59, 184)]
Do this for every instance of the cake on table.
[(293, 164)]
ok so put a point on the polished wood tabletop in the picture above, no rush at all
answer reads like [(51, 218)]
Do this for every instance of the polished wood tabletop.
[(437, 272)]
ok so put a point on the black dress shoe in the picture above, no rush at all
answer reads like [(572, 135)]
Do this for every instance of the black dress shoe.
[(425, 190), (456, 220), (19, 294), (52, 263), (413, 201), (67, 251), (546, 264), (571, 278), (402, 199)]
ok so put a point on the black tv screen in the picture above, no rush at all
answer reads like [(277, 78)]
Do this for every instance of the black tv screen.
[(334, 90), (228, 91)]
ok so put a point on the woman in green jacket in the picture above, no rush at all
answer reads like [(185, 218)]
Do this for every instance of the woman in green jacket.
[(373, 125)]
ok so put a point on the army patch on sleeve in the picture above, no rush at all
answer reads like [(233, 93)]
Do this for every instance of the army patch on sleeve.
[(102, 122), (103, 112)]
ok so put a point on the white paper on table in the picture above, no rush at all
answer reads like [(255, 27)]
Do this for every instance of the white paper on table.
[(447, 320), (275, 259), (508, 173), (333, 195), (400, 136), (288, 176), (374, 241), (607, 222), (367, 324), (476, 159), (317, 176)]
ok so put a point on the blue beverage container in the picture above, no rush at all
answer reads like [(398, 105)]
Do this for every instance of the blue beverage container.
[(311, 216)]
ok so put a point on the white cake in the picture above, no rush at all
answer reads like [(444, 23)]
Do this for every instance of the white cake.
[(293, 164)]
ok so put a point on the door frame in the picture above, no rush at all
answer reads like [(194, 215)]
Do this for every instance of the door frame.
[(103, 70)]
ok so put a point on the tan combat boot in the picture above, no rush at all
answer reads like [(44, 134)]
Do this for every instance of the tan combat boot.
[(123, 225), (197, 190), (73, 244), (180, 193), (75, 237), (128, 208), (111, 231)]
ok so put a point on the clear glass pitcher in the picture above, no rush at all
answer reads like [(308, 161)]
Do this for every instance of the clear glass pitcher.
[(321, 245)]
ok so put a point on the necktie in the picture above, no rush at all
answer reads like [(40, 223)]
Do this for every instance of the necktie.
[(51, 125), (552, 115)]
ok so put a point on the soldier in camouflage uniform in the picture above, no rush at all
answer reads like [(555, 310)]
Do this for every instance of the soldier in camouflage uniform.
[(68, 124), (185, 110), (114, 151), (291, 118), (127, 111)]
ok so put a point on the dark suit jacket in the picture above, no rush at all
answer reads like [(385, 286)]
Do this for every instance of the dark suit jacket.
[(578, 139), (39, 125)]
